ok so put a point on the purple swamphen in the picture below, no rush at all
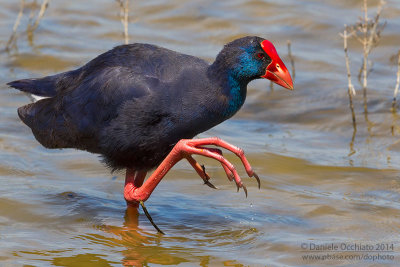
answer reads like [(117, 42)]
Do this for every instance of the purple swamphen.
[(139, 105)]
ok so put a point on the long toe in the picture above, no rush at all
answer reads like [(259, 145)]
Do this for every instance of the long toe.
[(258, 179)]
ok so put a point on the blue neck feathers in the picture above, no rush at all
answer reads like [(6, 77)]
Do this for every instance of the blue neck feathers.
[(236, 92)]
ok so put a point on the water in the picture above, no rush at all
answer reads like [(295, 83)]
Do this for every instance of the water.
[(63, 208)]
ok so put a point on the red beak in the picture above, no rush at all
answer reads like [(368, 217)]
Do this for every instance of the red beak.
[(276, 70)]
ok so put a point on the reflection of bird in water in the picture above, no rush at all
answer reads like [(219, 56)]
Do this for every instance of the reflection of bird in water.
[(132, 239), (139, 244), (139, 105)]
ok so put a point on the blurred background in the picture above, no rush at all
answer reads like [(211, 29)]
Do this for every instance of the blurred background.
[(321, 181)]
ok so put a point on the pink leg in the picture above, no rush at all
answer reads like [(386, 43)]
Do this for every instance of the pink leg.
[(133, 180), (136, 191)]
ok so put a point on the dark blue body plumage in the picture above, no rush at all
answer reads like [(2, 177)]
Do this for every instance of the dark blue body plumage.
[(133, 103)]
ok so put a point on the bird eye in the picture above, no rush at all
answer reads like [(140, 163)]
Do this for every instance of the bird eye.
[(260, 55)]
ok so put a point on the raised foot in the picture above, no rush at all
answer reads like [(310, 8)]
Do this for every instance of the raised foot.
[(197, 146), (136, 191)]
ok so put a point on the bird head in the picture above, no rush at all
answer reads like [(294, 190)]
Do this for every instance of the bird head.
[(252, 57)]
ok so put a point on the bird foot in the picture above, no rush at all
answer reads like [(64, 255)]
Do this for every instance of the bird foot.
[(136, 191), (189, 147)]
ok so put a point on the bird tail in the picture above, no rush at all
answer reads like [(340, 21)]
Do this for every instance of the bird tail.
[(42, 87)]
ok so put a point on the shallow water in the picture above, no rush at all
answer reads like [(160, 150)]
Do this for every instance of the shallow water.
[(63, 208)]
